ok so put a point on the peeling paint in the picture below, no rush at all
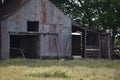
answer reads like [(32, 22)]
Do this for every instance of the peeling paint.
[(52, 28)]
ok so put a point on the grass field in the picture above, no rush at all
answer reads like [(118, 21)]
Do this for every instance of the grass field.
[(89, 69)]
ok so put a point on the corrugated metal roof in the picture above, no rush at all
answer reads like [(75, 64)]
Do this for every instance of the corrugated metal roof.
[(9, 7)]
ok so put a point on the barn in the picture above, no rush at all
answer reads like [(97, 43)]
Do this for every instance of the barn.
[(34, 29), (37, 29)]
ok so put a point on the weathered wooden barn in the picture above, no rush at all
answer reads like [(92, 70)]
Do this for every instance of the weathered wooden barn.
[(38, 29)]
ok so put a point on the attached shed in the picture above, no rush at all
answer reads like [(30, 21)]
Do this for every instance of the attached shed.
[(89, 43), (35, 29)]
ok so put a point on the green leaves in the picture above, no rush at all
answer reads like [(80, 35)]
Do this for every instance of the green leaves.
[(98, 14)]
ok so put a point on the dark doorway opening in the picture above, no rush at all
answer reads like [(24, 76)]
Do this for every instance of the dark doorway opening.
[(77, 41), (28, 43), (76, 44)]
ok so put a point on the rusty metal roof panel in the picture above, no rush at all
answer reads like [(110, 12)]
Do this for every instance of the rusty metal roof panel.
[(9, 7), (36, 10)]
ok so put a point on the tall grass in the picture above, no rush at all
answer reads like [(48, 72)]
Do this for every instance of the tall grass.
[(88, 69)]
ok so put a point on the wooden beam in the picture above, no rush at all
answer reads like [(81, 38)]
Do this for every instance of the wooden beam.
[(31, 33), (85, 41), (109, 51), (99, 45), (21, 51)]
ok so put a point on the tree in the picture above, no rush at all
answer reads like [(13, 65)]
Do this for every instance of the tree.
[(96, 14)]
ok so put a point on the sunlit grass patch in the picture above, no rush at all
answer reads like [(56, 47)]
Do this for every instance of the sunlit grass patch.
[(49, 72), (88, 69)]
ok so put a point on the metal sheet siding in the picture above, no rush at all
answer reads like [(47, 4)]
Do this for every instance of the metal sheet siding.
[(53, 45), (5, 41), (51, 20), (32, 10), (44, 45)]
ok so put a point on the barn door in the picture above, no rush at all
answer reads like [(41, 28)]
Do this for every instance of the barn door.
[(106, 46), (49, 46)]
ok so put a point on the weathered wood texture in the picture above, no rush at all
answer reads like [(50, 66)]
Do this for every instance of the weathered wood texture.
[(95, 44), (92, 48), (106, 48), (51, 20)]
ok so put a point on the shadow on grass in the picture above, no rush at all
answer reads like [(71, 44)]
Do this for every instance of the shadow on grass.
[(68, 63)]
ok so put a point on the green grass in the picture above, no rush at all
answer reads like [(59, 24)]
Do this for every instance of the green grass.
[(88, 69)]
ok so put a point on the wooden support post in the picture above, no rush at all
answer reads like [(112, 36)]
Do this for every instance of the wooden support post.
[(68, 46), (109, 51), (99, 45), (39, 52), (85, 41), (21, 51), (57, 46)]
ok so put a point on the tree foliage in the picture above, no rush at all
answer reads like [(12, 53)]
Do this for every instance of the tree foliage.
[(96, 14), (117, 41)]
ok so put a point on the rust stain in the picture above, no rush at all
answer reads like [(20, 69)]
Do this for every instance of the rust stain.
[(52, 13), (35, 14), (53, 28), (43, 11), (17, 25), (18, 16), (35, 11), (59, 18), (43, 29)]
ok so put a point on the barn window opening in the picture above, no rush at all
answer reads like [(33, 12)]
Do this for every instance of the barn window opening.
[(33, 26)]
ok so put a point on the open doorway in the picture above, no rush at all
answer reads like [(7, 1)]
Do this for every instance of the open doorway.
[(77, 41), (24, 46)]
